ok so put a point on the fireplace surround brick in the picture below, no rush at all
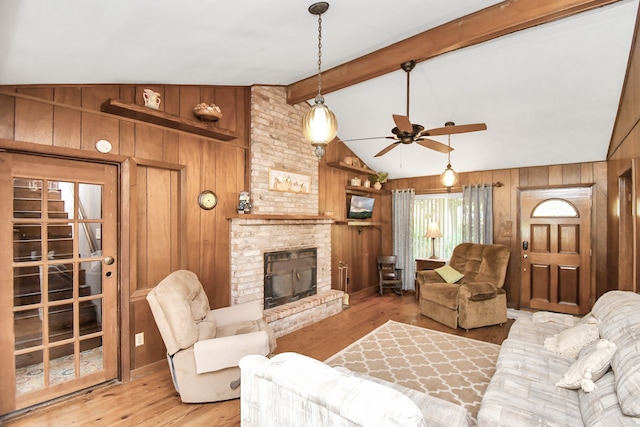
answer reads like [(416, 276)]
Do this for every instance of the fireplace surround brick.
[(277, 142)]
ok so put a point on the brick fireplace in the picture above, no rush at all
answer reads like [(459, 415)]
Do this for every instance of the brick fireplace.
[(281, 221)]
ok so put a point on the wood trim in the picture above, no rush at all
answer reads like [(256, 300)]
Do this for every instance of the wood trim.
[(495, 21)]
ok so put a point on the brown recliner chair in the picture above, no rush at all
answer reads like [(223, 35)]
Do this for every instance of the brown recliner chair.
[(474, 300), (204, 346)]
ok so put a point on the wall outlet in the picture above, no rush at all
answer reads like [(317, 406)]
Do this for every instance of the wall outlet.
[(139, 339)]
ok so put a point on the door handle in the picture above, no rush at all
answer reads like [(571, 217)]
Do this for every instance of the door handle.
[(525, 256), (109, 260)]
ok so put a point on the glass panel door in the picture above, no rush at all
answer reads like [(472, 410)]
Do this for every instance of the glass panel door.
[(63, 310)]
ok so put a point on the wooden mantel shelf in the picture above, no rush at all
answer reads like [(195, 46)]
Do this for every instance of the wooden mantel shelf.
[(281, 217), (144, 114)]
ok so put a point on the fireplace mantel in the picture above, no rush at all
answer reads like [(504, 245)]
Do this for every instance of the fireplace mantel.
[(260, 217)]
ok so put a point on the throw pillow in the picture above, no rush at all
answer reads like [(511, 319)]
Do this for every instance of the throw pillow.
[(589, 368), (570, 341), (449, 274)]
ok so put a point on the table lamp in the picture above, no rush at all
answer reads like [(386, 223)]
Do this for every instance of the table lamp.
[(433, 233)]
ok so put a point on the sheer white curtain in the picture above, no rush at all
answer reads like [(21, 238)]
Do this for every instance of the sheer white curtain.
[(477, 213), (402, 227)]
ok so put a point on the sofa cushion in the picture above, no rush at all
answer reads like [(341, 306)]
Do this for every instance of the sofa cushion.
[(600, 408), (620, 323), (589, 367), (570, 341), (449, 274)]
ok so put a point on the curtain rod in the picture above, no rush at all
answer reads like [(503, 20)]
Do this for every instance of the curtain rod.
[(453, 189)]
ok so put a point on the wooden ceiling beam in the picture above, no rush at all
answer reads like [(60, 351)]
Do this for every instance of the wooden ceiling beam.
[(495, 21)]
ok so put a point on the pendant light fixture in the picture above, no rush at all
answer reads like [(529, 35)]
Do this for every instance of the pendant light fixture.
[(319, 124), (449, 177)]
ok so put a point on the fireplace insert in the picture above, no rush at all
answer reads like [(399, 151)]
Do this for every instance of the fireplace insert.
[(289, 276)]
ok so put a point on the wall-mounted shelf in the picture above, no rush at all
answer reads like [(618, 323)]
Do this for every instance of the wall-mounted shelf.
[(359, 223), (352, 168), (351, 189), (144, 114)]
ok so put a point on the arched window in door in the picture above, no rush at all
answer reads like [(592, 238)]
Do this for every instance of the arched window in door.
[(555, 208)]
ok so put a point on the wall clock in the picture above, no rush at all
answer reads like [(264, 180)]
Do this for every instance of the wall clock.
[(207, 199)]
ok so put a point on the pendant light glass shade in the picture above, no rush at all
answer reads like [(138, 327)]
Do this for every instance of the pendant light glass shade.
[(319, 124), (449, 178)]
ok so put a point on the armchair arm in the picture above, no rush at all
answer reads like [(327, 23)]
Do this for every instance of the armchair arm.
[(478, 291), (225, 352), (429, 276), (238, 313)]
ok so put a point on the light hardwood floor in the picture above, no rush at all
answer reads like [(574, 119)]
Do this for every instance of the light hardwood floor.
[(152, 401)]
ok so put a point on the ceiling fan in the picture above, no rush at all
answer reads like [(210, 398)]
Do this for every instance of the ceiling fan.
[(406, 132)]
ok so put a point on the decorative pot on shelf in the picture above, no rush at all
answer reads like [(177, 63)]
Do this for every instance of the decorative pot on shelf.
[(367, 183), (151, 99), (377, 185), (204, 111), (355, 182)]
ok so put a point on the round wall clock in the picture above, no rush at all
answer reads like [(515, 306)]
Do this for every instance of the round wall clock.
[(207, 199)]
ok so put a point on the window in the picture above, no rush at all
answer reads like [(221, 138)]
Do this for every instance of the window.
[(446, 210)]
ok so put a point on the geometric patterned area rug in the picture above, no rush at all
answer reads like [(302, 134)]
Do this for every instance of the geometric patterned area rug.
[(450, 367)]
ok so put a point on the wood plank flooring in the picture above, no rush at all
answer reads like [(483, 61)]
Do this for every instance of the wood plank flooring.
[(152, 400)]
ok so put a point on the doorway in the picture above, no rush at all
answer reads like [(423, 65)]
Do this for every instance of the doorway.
[(555, 242), (59, 264)]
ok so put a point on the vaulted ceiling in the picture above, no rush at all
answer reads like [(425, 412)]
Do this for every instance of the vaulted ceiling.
[(545, 76)]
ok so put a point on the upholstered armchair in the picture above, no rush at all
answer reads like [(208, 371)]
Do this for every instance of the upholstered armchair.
[(204, 346), (468, 291)]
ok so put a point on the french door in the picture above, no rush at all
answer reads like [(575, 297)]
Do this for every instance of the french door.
[(59, 281)]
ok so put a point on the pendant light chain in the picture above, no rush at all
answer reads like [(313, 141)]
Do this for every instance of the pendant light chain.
[(319, 54)]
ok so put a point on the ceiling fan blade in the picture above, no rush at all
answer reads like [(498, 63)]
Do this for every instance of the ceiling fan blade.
[(365, 139), (387, 149), (450, 130), (434, 145), (403, 123)]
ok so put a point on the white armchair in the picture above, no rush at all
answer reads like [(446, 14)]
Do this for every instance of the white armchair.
[(204, 346)]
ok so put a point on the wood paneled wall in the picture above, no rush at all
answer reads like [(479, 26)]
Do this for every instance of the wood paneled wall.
[(506, 209), (623, 157), (165, 169), (357, 247)]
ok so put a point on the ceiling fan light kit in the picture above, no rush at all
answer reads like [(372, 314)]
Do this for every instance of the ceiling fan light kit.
[(319, 124), (449, 177)]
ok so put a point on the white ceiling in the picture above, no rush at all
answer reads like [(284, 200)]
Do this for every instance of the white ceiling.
[(549, 94)]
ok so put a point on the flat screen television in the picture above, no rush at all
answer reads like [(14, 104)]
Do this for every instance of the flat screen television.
[(360, 207)]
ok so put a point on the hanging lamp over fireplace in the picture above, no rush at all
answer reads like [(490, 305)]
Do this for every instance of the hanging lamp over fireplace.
[(319, 124)]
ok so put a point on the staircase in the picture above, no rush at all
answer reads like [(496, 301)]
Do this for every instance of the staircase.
[(27, 289)]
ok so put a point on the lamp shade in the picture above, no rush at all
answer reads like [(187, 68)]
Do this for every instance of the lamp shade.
[(433, 231), (319, 125), (449, 177)]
